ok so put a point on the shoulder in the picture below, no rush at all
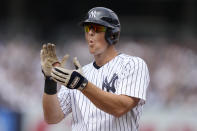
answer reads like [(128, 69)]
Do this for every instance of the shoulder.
[(132, 61)]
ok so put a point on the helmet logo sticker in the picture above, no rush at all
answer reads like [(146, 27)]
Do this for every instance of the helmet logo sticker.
[(92, 14)]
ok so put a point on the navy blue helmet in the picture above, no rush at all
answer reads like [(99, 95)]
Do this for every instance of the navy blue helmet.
[(106, 17)]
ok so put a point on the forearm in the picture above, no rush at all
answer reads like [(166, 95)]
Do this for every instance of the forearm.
[(51, 108), (114, 104)]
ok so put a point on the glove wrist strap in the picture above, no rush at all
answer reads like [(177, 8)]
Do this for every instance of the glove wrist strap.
[(83, 84), (77, 81), (50, 86)]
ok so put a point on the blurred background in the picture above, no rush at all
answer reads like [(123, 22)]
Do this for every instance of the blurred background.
[(162, 32)]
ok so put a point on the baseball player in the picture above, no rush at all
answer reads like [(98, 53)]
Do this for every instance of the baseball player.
[(105, 95)]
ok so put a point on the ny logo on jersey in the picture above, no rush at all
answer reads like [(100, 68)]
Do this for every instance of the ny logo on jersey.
[(110, 85), (92, 14)]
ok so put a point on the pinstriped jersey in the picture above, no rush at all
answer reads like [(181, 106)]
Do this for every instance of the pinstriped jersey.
[(124, 74)]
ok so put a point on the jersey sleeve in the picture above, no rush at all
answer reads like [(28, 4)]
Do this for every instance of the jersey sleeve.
[(64, 100), (134, 79)]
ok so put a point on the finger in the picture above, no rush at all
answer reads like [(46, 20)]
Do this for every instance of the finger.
[(42, 55), (64, 59), (53, 50), (57, 80), (49, 49), (62, 70), (59, 73), (57, 77), (76, 63), (44, 47)]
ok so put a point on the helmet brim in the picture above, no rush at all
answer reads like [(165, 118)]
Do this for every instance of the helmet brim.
[(96, 21)]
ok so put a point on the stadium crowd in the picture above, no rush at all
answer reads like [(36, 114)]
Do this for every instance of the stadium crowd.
[(172, 67)]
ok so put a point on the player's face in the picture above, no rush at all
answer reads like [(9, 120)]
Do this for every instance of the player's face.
[(95, 37)]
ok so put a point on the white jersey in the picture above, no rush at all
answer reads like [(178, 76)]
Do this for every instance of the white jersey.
[(125, 75)]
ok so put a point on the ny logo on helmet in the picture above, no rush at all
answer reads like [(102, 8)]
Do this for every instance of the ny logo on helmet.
[(92, 14)]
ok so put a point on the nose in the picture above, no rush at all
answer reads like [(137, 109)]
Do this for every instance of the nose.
[(91, 32)]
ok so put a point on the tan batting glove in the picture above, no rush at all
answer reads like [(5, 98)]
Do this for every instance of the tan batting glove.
[(49, 59), (77, 65), (72, 79)]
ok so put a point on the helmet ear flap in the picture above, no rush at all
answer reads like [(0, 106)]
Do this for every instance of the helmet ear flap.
[(112, 35)]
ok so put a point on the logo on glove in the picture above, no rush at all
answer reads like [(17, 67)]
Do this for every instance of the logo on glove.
[(74, 82)]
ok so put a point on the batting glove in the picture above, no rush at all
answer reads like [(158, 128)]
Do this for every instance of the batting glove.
[(72, 79), (49, 59)]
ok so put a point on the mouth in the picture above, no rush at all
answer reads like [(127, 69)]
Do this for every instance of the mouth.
[(91, 42)]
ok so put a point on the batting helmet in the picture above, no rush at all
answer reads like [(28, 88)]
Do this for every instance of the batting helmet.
[(106, 17)]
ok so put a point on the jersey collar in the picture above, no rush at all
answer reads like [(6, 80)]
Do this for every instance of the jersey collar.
[(98, 67)]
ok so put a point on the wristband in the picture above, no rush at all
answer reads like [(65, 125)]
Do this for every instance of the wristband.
[(50, 86)]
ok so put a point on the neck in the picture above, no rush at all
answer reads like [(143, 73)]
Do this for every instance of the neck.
[(109, 54)]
